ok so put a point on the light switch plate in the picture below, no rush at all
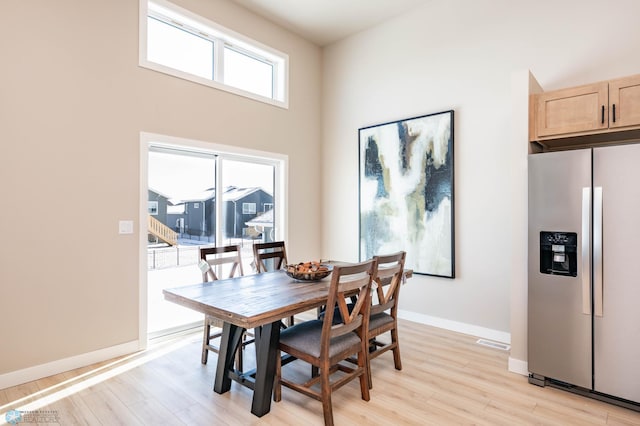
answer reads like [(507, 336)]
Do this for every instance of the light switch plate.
[(125, 227)]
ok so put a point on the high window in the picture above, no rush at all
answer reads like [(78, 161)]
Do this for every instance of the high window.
[(178, 42)]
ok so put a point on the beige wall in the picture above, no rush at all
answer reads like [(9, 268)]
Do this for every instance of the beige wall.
[(463, 55), (73, 102)]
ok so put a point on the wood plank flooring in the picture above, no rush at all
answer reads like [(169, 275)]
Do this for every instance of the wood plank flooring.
[(447, 379)]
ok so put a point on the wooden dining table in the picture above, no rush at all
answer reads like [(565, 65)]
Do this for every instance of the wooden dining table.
[(257, 301)]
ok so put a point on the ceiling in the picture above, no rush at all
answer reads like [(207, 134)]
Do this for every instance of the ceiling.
[(326, 21)]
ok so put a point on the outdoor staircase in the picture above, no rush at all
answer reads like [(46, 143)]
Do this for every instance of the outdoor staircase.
[(162, 231)]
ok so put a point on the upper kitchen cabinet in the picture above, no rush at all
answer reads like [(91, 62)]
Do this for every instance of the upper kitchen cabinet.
[(624, 101), (607, 109), (578, 109)]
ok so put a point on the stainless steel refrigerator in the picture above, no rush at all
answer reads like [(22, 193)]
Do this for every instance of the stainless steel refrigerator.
[(584, 271)]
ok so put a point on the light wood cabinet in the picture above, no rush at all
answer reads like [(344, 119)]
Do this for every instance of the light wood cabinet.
[(578, 109), (624, 101), (605, 107)]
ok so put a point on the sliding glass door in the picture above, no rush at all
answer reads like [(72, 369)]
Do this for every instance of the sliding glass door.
[(201, 198)]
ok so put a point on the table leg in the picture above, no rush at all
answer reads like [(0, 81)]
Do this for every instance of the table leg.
[(267, 338), (229, 342)]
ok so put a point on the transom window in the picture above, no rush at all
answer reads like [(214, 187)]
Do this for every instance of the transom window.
[(178, 42)]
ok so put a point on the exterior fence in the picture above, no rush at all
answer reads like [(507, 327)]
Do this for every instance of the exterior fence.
[(170, 257), (184, 255)]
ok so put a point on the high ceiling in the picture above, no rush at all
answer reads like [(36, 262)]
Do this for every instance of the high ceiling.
[(326, 21)]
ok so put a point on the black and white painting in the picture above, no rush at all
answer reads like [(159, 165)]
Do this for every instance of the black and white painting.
[(406, 192)]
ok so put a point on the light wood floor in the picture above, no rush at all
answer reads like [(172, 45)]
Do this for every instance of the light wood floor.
[(447, 379)]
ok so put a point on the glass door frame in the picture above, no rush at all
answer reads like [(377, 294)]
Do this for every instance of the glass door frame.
[(224, 152)]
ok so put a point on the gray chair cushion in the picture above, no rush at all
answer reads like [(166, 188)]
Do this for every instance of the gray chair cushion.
[(305, 337), (337, 316), (379, 320)]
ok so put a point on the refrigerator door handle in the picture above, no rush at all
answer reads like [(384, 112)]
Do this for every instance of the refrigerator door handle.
[(586, 264), (597, 251)]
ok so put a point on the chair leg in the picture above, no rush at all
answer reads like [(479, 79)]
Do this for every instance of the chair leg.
[(396, 350), (277, 386), (370, 380), (327, 410), (365, 377), (205, 342), (239, 364)]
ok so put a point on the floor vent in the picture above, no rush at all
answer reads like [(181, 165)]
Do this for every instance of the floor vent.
[(495, 345)]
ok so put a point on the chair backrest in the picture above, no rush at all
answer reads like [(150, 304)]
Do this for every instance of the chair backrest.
[(346, 281), (217, 256), (274, 250), (388, 279)]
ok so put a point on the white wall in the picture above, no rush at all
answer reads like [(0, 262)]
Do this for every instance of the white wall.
[(73, 102), (463, 55)]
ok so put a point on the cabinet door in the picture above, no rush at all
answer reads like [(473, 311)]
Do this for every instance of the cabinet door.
[(624, 99), (574, 110)]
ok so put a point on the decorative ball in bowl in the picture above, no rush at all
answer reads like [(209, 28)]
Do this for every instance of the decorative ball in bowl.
[(308, 271)]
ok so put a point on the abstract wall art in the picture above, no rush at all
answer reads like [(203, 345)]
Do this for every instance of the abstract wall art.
[(406, 192)]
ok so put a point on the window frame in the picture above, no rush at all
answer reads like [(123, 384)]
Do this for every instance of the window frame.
[(247, 210), (221, 37), (152, 207)]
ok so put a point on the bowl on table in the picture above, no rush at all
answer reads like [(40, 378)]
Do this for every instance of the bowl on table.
[(308, 271)]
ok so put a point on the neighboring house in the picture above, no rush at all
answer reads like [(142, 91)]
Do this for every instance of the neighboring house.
[(262, 225), (195, 217), (157, 205), (243, 205)]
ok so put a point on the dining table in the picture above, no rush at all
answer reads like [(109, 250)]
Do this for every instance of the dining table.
[(258, 302)]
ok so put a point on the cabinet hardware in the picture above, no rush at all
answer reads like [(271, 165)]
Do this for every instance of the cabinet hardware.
[(602, 114), (614, 113)]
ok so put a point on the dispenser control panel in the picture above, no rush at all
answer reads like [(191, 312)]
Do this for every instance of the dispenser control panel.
[(558, 253)]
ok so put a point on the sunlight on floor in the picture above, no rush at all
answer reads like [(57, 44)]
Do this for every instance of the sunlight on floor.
[(45, 397)]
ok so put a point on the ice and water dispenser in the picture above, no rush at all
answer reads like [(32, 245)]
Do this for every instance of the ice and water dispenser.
[(558, 252)]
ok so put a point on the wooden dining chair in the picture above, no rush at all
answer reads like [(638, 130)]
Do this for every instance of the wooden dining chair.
[(274, 254), (217, 260), (384, 309), (274, 250), (325, 344)]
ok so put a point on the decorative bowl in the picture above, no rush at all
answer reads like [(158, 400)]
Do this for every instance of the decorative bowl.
[(308, 271)]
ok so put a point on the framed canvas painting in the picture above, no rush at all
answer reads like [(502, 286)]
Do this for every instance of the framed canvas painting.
[(406, 192)]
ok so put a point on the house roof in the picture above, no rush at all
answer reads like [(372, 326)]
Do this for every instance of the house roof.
[(264, 219), (207, 194), (175, 209), (231, 193), (162, 194)]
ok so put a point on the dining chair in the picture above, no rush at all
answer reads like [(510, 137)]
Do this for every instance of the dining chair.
[(325, 344), (384, 307), (274, 254), (274, 250), (213, 262)]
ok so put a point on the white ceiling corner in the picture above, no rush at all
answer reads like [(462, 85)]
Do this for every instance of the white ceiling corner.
[(326, 21)]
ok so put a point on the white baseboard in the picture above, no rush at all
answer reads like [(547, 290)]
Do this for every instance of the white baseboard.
[(36, 372), (14, 378), (518, 366), (460, 327)]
